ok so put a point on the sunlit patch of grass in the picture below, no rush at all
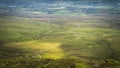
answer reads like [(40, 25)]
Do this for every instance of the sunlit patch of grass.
[(54, 55), (41, 49)]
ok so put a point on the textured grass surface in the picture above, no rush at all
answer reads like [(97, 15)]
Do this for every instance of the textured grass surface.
[(50, 50), (58, 40)]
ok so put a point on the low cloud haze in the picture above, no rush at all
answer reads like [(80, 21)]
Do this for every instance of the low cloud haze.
[(81, 7)]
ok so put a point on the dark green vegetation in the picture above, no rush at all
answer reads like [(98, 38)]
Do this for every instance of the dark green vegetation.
[(58, 42)]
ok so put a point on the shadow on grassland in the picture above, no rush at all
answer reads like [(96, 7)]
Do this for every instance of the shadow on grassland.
[(9, 52)]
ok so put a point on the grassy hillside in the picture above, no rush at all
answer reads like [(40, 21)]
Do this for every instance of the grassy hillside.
[(59, 42)]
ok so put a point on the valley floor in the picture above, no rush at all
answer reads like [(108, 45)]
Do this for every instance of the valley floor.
[(58, 43)]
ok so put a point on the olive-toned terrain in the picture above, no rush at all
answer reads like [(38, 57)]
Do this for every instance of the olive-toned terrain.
[(59, 41)]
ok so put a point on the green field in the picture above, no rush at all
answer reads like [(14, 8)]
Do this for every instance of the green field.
[(58, 43)]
